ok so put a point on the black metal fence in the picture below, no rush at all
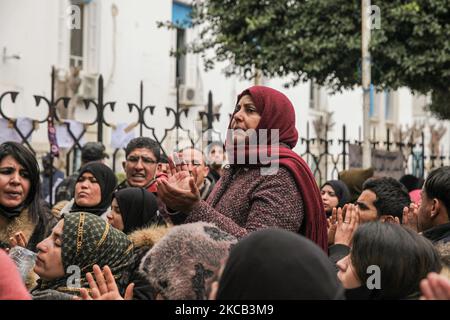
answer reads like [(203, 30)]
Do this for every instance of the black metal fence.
[(317, 151), (143, 111), (326, 164), (101, 105)]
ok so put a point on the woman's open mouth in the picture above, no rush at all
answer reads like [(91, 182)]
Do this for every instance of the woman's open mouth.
[(13, 195)]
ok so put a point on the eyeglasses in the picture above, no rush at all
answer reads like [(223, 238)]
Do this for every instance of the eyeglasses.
[(193, 163), (188, 163), (146, 160)]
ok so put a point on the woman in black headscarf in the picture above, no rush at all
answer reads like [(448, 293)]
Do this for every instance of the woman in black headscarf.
[(93, 191), (335, 194), (131, 209), (277, 264)]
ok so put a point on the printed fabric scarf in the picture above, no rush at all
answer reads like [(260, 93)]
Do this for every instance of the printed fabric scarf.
[(87, 240)]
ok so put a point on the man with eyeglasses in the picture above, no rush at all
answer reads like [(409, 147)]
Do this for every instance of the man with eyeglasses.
[(142, 156)]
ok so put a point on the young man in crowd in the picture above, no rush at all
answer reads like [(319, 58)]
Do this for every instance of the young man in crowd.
[(142, 157), (382, 199), (432, 216)]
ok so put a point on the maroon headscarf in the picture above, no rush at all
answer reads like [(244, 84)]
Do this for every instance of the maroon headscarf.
[(277, 112)]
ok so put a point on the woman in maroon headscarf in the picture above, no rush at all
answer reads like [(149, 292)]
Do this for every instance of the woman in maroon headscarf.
[(245, 199)]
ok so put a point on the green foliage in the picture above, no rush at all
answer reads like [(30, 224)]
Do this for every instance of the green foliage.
[(440, 104), (321, 40)]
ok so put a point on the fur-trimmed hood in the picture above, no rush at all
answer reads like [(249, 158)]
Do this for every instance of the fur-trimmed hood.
[(182, 264), (444, 252), (149, 236), (22, 223)]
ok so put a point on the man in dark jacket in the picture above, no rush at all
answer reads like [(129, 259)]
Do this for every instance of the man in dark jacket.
[(142, 157), (434, 210)]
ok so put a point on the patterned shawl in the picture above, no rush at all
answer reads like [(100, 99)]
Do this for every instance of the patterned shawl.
[(87, 240)]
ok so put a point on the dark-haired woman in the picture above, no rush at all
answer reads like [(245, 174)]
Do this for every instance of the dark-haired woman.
[(387, 261), (132, 209), (21, 210), (93, 191), (335, 194)]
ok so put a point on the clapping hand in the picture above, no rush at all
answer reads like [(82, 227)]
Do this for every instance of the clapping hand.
[(346, 225), (18, 240), (331, 226), (435, 287), (179, 192), (104, 286), (410, 217)]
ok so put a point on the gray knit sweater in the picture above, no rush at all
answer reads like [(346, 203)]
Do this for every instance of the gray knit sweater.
[(244, 201)]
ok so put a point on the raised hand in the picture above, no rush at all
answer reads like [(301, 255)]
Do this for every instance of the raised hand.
[(175, 196), (331, 224), (104, 286), (435, 287), (178, 174), (389, 219), (410, 217), (18, 240), (347, 226)]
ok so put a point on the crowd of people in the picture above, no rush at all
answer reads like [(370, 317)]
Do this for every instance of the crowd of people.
[(243, 220)]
